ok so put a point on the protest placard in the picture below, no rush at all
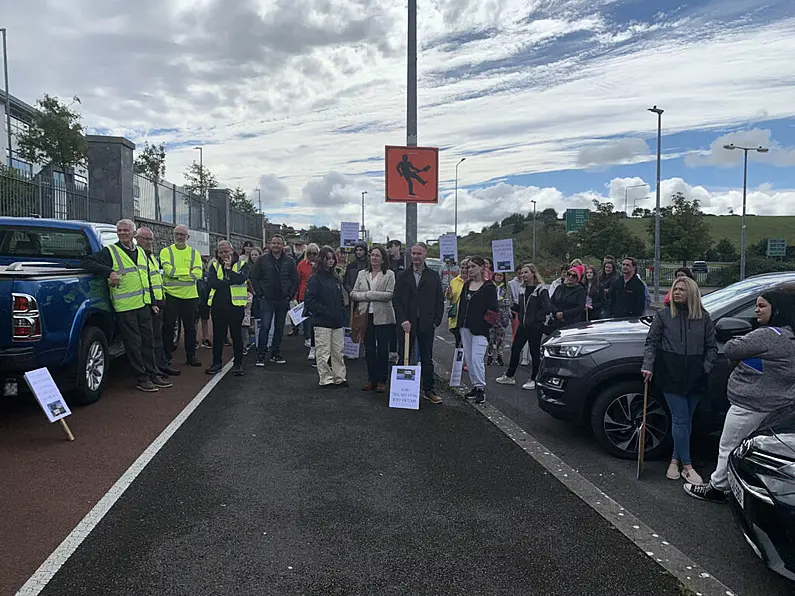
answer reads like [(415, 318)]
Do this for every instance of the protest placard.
[(448, 248), (349, 348), (297, 314), (404, 388), (349, 234), (49, 397), (502, 254), (458, 368)]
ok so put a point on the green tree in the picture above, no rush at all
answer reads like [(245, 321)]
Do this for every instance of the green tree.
[(548, 216), (515, 220), (323, 236), (495, 226), (726, 250), (55, 135), (151, 164), (605, 233), (240, 201), (684, 234), (199, 179)]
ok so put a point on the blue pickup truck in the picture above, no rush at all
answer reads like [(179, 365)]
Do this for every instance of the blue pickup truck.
[(52, 313)]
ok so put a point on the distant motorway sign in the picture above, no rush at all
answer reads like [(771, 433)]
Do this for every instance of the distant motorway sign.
[(576, 219), (776, 247)]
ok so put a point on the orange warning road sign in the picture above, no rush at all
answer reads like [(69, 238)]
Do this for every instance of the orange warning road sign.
[(412, 174)]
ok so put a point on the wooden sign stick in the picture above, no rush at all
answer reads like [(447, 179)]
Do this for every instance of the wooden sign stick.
[(406, 347), (642, 441), (66, 429)]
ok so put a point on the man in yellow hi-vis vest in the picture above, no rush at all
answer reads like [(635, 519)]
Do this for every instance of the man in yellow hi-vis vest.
[(124, 266), (146, 239), (182, 268), (227, 278)]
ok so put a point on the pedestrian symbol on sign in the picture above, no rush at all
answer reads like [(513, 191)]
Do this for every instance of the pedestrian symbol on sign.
[(412, 174)]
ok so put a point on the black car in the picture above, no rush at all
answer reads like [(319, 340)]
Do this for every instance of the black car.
[(590, 372), (762, 479)]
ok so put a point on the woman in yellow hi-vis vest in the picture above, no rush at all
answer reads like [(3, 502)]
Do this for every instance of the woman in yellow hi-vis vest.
[(228, 291)]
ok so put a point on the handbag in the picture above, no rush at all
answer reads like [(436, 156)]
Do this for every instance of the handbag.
[(452, 311), (358, 321)]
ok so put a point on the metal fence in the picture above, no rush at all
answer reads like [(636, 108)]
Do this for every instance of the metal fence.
[(167, 202), (24, 196)]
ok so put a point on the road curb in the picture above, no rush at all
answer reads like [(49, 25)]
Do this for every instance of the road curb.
[(670, 558)]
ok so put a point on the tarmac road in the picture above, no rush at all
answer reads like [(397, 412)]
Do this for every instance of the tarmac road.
[(704, 532), (275, 486)]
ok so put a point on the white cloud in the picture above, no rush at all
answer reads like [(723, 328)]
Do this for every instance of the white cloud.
[(622, 150), (755, 137), (273, 190)]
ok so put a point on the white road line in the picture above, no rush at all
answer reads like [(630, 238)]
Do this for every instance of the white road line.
[(650, 542), (60, 555)]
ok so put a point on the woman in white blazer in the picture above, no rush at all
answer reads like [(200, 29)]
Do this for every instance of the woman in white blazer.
[(373, 294)]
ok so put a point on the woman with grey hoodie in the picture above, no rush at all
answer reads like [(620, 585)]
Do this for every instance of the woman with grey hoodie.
[(762, 382)]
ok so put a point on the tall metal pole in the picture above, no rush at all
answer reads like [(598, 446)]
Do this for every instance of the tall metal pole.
[(659, 113), (411, 118), (259, 199), (363, 193), (455, 225), (534, 231), (8, 97), (742, 233), (201, 187), (745, 151)]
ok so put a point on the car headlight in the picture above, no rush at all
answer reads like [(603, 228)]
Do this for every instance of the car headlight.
[(574, 349)]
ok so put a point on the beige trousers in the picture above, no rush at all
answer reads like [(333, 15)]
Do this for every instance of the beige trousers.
[(329, 344)]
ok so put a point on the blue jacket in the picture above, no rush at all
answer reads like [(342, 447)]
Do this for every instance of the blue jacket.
[(323, 301)]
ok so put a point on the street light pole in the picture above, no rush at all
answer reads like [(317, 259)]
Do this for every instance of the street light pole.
[(8, 97), (411, 117), (259, 198), (745, 151), (656, 276), (534, 231), (455, 226), (626, 196), (363, 193), (201, 186)]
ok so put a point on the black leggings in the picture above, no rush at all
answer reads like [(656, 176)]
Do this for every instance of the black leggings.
[(531, 337)]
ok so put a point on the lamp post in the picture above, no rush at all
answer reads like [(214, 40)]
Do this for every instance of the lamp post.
[(259, 198), (745, 151), (659, 112), (363, 193), (455, 226), (534, 231), (201, 186), (626, 195), (8, 97)]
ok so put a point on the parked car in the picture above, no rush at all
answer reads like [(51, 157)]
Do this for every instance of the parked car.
[(700, 267), (590, 372), (53, 314), (762, 479)]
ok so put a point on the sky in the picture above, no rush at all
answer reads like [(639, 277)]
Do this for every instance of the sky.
[(546, 99)]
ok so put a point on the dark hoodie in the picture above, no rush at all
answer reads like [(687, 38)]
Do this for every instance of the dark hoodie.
[(352, 270)]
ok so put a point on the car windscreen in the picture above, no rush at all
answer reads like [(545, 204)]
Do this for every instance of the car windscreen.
[(720, 301), (41, 242), (107, 236)]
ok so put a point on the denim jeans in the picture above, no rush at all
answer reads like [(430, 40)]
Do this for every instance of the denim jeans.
[(682, 408), (276, 312)]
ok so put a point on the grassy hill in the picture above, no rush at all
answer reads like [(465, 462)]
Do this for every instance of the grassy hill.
[(728, 226)]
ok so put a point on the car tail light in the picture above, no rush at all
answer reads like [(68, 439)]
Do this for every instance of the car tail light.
[(26, 322)]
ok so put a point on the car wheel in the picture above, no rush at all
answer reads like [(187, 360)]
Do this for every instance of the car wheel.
[(616, 419), (93, 362)]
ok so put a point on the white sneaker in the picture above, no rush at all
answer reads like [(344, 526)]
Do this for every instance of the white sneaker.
[(529, 386), (506, 380), (311, 354), (307, 343)]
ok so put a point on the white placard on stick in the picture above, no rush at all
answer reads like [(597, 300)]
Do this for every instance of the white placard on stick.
[(47, 394), (297, 314), (502, 253), (448, 248), (350, 349), (349, 234), (404, 389), (458, 368)]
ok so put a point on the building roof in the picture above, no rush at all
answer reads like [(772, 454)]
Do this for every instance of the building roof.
[(19, 109)]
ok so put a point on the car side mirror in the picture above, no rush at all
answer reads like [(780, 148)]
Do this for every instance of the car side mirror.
[(729, 327)]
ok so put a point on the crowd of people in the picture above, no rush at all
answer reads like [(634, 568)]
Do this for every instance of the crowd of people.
[(393, 306)]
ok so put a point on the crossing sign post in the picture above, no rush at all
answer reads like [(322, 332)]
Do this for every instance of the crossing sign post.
[(412, 174)]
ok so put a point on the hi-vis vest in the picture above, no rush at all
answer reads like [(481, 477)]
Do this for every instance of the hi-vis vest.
[(156, 277), (133, 290), (188, 263), (239, 292)]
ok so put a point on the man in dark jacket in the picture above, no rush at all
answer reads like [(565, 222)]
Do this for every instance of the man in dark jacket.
[(419, 308), (397, 260), (360, 263), (628, 295), (275, 281)]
